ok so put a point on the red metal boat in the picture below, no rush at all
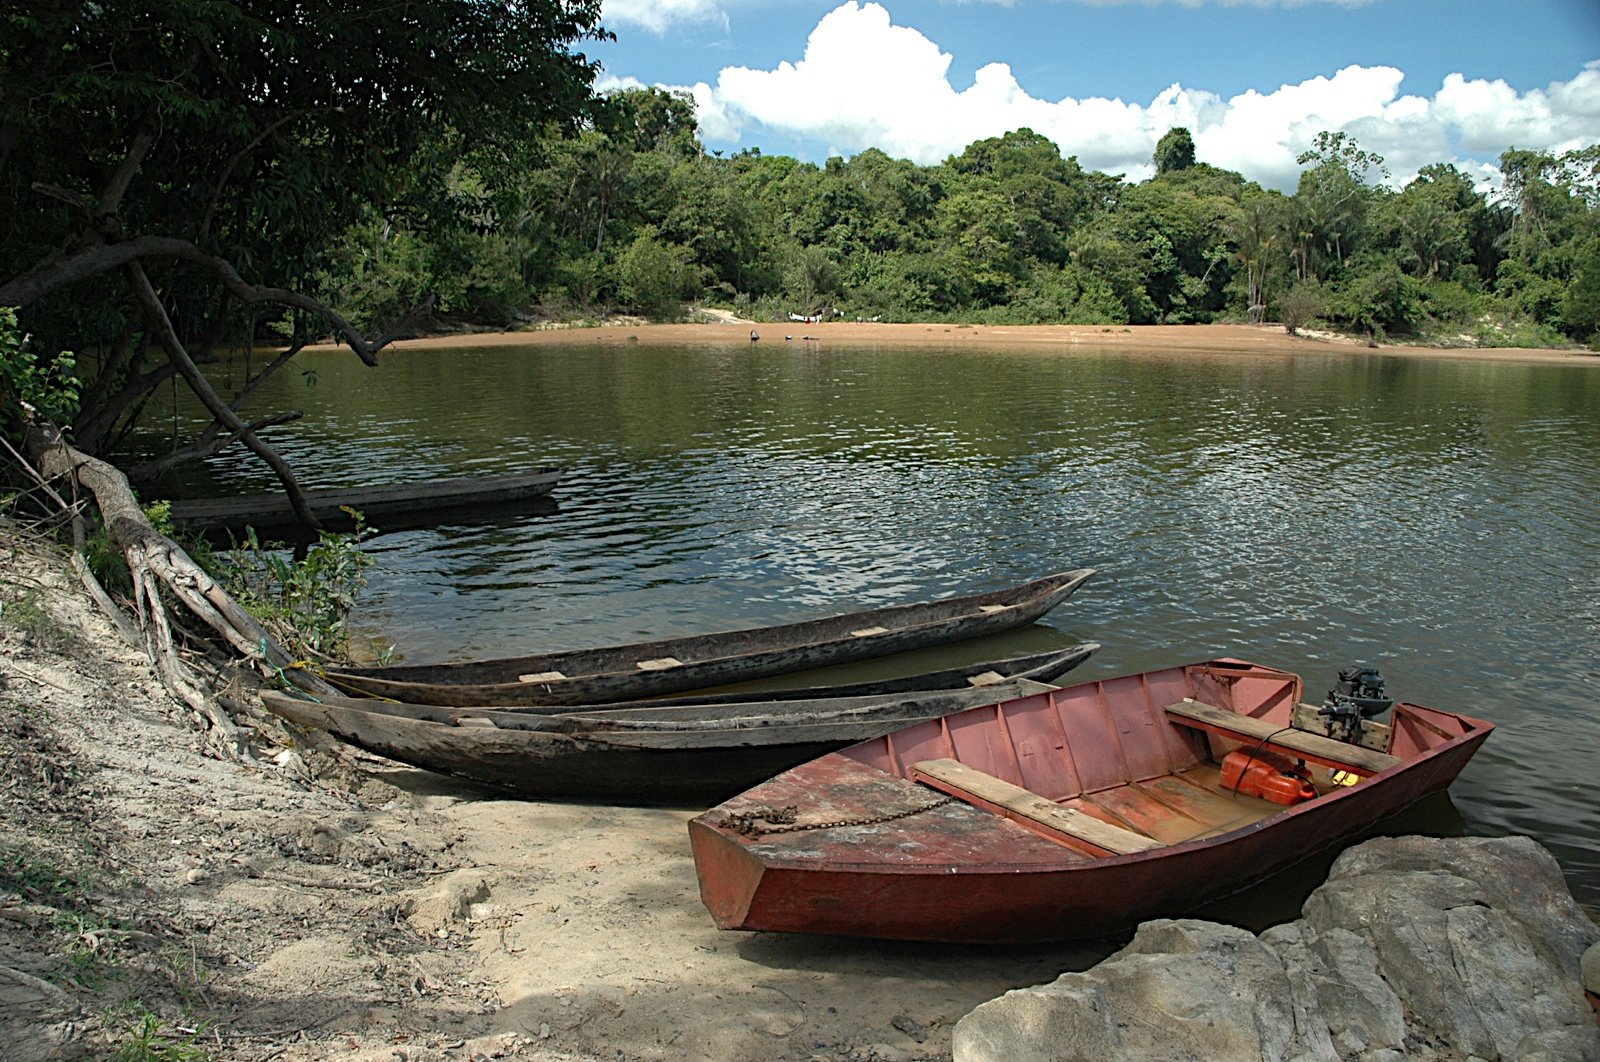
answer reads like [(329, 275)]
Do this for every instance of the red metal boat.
[(1069, 814)]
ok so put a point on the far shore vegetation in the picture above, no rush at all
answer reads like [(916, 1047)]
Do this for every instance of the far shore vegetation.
[(179, 179)]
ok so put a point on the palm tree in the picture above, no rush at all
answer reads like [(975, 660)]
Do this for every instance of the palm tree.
[(1254, 229)]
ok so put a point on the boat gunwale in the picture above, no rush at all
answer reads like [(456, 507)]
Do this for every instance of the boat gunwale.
[(844, 711), (1479, 731), (1050, 664), (1023, 597), (558, 765)]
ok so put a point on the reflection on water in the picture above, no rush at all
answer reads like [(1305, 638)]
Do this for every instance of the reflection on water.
[(1437, 519)]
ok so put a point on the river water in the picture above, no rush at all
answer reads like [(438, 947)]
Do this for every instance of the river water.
[(1438, 519)]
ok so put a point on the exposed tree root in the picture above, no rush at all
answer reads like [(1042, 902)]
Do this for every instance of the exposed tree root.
[(160, 568)]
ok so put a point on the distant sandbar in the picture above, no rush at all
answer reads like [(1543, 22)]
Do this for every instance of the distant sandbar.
[(1212, 338)]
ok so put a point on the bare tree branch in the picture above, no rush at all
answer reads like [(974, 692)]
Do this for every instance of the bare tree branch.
[(117, 187), (89, 431), (261, 377), (90, 261), (174, 674), (155, 556), (167, 336), (211, 441), (75, 200), (9, 134), (118, 362)]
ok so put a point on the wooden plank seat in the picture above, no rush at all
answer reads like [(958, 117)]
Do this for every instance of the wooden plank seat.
[(1314, 747), (1030, 810)]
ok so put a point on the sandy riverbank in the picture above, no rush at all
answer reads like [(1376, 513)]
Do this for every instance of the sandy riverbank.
[(1054, 339), (319, 903)]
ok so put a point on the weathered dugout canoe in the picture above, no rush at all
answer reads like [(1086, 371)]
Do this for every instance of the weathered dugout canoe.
[(1069, 814), (666, 666), (633, 757), (1043, 668), (412, 502)]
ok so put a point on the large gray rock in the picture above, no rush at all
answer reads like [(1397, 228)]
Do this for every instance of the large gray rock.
[(1414, 948)]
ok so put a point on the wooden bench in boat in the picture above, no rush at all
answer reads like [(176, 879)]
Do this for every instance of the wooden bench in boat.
[(1066, 825), (1314, 747)]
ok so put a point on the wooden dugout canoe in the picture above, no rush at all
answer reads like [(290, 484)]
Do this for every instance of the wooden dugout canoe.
[(1043, 667), (1069, 814), (671, 665), (411, 502), (629, 755)]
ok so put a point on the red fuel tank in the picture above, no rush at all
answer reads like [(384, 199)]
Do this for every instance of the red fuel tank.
[(1267, 775)]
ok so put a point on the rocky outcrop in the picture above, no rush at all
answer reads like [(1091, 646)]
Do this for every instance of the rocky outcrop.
[(1591, 977), (1414, 948)]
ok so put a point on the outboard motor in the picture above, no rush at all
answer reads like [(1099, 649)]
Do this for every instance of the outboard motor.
[(1355, 698)]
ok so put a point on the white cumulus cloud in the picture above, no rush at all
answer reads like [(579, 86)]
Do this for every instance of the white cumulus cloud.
[(657, 15), (865, 82)]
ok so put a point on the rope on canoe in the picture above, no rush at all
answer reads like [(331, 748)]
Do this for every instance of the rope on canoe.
[(347, 690), (284, 669), (282, 674)]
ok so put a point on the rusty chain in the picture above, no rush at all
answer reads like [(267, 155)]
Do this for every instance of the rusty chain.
[(744, 822)]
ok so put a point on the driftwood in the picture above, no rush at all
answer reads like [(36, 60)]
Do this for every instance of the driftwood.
[(156, 563)]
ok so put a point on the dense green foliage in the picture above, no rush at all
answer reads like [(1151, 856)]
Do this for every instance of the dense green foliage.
[(304, 600), (46, 383), (231, 158), (632, 215), (175, 174)]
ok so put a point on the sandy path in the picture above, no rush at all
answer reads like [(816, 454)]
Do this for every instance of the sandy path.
[(587, 921)]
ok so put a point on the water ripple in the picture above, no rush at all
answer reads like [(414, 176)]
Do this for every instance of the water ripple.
[(1439, 519)]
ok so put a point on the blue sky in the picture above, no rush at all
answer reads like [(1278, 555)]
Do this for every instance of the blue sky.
[(1418, 81)]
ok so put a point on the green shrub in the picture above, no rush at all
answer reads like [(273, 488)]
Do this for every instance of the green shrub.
[(1518, 332), (48, 384), (147, 1043), (305, 603), (1299, 306), (1377, 298), (656, 277)]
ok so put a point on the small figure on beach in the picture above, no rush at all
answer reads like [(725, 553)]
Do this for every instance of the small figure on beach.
[(753, 335)]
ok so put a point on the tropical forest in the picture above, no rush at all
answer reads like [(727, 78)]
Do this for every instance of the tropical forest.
[(181, 177)]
